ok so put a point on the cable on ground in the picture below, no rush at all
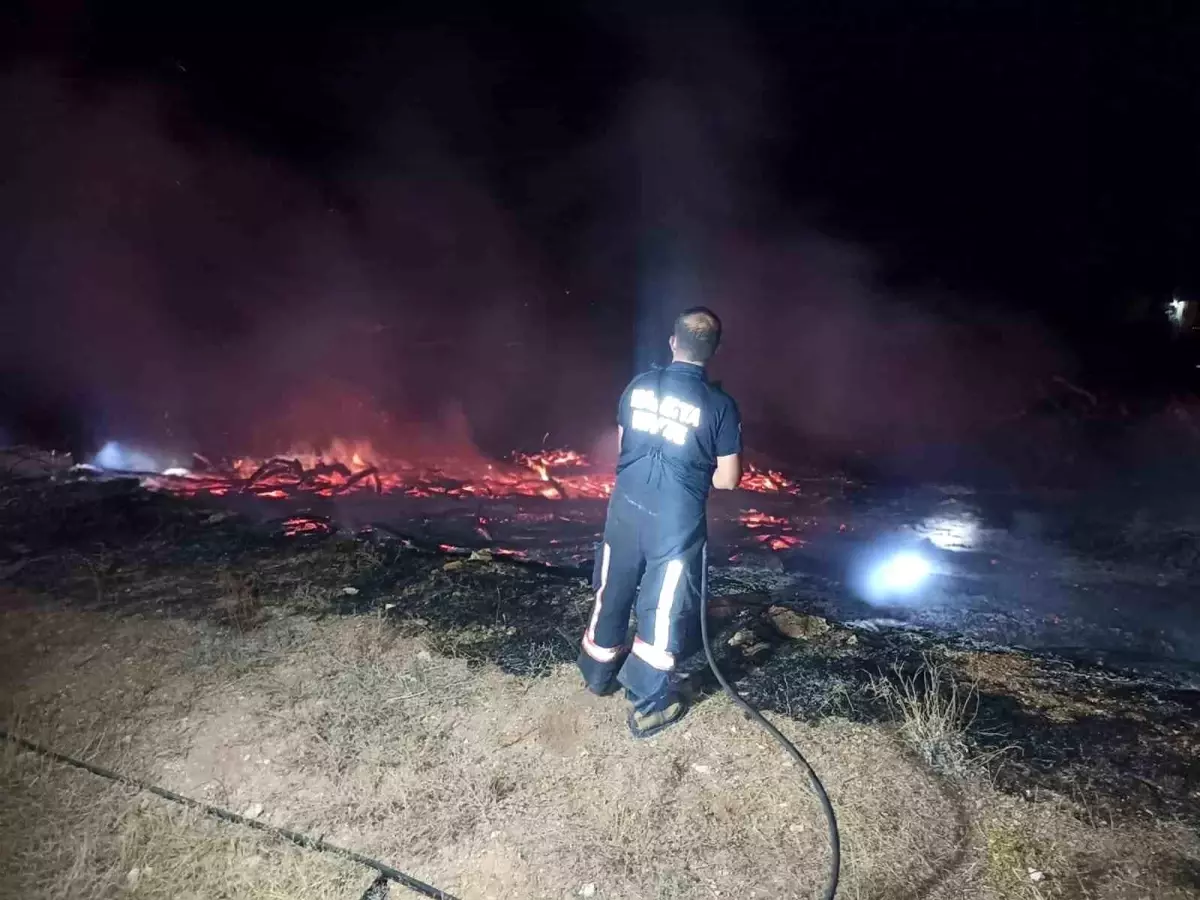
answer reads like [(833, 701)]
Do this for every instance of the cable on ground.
[(835, 844), (413, 884), (303, 840)]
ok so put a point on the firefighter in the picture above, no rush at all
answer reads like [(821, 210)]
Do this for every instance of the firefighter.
[(679, 434)]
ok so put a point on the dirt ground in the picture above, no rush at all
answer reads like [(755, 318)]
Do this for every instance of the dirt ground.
[(422, 709), (485, 783)]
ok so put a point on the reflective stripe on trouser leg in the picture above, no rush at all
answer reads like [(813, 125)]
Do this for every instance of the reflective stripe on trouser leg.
[(665, 609), (658, 653), (590, 647)]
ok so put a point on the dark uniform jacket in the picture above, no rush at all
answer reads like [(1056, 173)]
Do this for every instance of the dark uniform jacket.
[(676, 423)]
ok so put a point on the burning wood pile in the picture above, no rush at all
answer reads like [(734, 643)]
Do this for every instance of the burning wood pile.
[(350, 469), (775, 532), (300, 479)]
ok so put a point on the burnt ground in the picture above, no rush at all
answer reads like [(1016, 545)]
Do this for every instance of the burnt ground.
[(1122, 738)]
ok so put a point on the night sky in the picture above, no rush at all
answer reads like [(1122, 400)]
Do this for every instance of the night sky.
[(910, 215)]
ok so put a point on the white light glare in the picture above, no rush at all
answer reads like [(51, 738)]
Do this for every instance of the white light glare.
[(951, 532), (114, 457), (1175, 310), (902, 573)]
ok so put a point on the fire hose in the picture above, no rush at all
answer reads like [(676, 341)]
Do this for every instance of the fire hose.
[(303, 840), (835, 843), (388, 873), (835, 846)]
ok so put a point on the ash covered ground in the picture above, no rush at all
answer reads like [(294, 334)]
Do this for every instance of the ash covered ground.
[(1077, 633), (1100, 575)]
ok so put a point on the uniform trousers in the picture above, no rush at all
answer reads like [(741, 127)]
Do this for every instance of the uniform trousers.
[(650, 560)]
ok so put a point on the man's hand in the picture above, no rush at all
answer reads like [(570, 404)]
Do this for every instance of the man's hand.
[(729, 472)]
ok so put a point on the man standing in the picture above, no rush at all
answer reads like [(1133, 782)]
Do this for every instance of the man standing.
[(679, 436)]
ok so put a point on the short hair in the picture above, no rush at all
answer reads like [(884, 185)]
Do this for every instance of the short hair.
[(697, 333)]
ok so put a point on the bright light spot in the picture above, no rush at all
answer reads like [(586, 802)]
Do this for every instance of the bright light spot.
[(951, 532), (900, 573), (117, 458), (1175, 310)]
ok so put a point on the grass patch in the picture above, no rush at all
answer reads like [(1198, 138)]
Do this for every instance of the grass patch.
[(505, 780), (69, 834), (239, 601), (935, 714), (1015, 869)]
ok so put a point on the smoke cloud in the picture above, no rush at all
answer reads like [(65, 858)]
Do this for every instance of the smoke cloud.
[(169, 285), (193, 294), (821, 354)]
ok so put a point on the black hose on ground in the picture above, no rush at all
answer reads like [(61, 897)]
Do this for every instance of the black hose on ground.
[(296, 837), (835, 843), (386, 872)]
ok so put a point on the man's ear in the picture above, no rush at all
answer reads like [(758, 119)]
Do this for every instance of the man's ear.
[(671, 343)]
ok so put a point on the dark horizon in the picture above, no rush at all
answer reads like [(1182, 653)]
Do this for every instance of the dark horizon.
[(232, 226)]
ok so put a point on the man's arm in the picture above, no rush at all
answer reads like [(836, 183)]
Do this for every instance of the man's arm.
[(729, 449), (728, 473)]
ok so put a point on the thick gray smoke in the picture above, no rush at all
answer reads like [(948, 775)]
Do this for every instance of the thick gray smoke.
[(169, 285), (195, 295), (817, 349)]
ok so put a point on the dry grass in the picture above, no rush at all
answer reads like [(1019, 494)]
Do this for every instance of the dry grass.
[(935, 714), (492, 785), (239, 603), (1039, 851), (86, 838)]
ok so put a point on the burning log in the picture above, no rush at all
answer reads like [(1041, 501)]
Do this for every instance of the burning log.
[(554, 475), (307, 524), (767, 481), (273, 468), (323, 470), (781, 536), (371, 473)]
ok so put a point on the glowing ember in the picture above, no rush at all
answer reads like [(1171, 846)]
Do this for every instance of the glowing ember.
[(350, 467), (551, 459), (766, 481), (514, 554), (779, 537), (306, 525), (752, 518), (780, 541)]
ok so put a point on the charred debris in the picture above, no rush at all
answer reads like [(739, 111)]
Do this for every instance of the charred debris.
[(1128, 741)]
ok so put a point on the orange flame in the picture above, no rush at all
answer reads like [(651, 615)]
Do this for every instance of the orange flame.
[(779, 537), (305, 525), (766, 481), (752, 518), (349, 467)]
